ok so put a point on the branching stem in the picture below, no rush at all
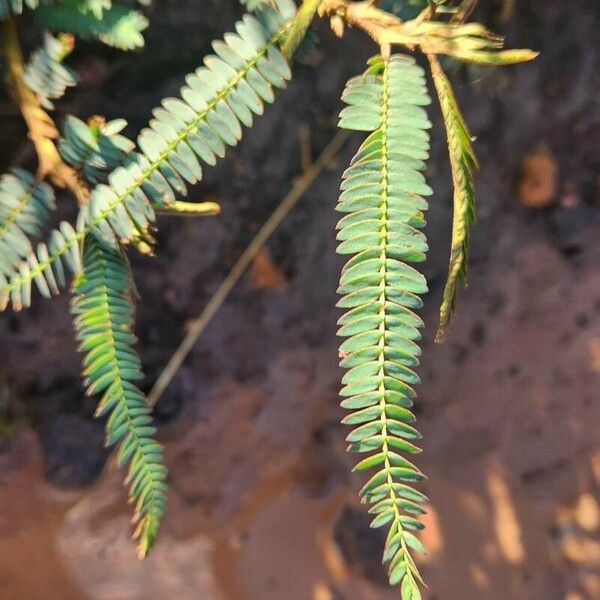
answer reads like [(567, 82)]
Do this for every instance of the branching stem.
[(470, 42), (365, 15)]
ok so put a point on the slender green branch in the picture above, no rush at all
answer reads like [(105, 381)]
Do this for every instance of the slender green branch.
[(299, 27)]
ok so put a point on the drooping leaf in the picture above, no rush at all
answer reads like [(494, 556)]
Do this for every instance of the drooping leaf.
[(463, 162), (103, 316), (383, 201)]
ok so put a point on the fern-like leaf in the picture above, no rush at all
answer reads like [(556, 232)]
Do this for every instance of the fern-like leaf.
[(103, 310), (45, 74), (463, 162), (45, 267), (95, 148), (217, 100), (24, 206), (382, 194), (116, 26)]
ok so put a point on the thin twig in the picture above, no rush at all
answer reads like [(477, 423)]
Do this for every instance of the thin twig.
[(305, 146), (244, 261)]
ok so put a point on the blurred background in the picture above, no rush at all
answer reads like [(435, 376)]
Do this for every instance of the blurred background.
[(262, 504)]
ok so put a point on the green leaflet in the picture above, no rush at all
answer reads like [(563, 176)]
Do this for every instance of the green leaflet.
[(103, 309), (95, 147), (463, 162), (95, 7), (24, 206), (15, 6), (45, 74), (253, 5), (219, 98), (382, 200), (113, 25), (45, 267)]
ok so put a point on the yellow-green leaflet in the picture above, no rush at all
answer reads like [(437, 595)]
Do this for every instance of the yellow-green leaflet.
[(463, 162)]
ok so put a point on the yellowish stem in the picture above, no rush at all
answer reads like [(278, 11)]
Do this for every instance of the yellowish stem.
[(300, 25), (42, 130), (191, 209)]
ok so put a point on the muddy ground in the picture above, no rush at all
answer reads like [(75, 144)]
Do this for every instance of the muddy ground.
[(262, 505)]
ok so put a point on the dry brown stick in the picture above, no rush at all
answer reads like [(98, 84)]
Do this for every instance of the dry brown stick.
[(244, 261), (42, 130)]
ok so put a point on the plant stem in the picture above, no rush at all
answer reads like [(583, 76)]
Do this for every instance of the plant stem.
[(470, 42), (301, 23), (365, 15), (178, 208), (42, 130), (244, 261)]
